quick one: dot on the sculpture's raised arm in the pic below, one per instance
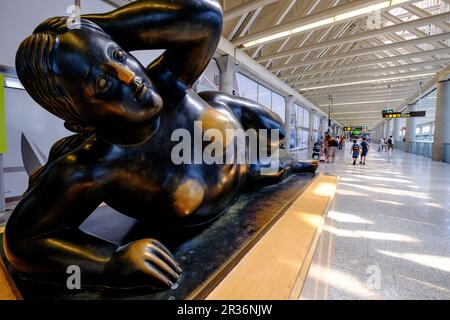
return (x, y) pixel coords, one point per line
(189, 29)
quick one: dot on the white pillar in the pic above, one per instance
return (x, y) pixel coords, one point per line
(388, 129)
(411, 124)
(290, 100)
(383, 130)
(311, 129)
(228, 68)
(442, 117)
(396, 129)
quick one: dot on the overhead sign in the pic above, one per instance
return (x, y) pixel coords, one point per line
(415, 114)
(349, 129)
(393, 115)
(2, 116)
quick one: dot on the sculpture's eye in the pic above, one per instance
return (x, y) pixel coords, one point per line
(101, 84)
(119, 55)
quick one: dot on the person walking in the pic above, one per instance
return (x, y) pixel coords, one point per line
(390, 144)
(355, 151)
(381, 143)
(365, 146)
(342, 143)
(331, 150)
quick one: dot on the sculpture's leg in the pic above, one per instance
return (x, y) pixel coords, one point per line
(42, 237)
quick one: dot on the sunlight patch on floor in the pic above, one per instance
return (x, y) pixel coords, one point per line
(437, 262)
(373, 235)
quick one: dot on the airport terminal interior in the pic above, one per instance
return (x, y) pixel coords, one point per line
(358, 206)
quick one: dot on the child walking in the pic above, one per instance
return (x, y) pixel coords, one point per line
(355, 151)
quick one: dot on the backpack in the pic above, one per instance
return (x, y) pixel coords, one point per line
(355, 148)
(390, 141)
(364, 146)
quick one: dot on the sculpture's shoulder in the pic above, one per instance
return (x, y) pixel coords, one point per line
(68, 144)
(59, 149)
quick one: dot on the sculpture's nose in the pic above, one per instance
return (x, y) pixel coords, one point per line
(124, 74)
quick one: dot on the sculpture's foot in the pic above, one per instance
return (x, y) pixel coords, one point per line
(305, 167)
(142, 263)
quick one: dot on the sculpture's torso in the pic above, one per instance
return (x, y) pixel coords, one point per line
(142, 181)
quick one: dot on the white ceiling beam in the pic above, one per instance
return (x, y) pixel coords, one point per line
(237, 26)
(245, 8)
(442, 63)
(375, 49)
(358, 64)
(284, 11)
(408, 75)
(359, 37)
(422, 14)
(309, 9)
(325, 14)
(352, 97)
(361, 88)
(415, 31)
(251, 21)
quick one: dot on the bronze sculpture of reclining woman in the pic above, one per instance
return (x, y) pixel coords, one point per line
(123, 115)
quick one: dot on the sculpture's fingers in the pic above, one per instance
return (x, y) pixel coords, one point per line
(157, 275)
(162, 266)
(162, 247)
(168, 258)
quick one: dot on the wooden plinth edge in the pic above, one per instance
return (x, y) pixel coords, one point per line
(277, 266)
(8, 290)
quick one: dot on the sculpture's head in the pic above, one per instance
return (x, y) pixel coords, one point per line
(83, 77)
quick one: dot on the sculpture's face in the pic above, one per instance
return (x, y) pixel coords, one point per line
(109, 86)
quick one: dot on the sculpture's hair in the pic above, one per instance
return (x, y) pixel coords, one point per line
(36, 69)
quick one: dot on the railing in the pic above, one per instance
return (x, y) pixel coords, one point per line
(447, 152)
(421, 148)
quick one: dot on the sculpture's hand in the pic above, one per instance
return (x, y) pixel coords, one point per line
(143, 262)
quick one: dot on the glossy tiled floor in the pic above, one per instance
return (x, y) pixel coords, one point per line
(387, 235)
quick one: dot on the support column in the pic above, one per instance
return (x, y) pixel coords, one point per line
(411, 124)
(442, 117)
(290, 100)
(388, 129)
(396, 130)
(311, 129)
(383, 130)
(228, 68)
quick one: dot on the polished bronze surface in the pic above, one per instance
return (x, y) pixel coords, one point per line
(124, 116)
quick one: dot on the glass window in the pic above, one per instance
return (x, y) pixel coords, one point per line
(304, 139)
(299, 115)
(426, 129)
(305, 118)
(264, 96)
(418, 130)
(247, 88)
(316, 123)
(278, 105)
